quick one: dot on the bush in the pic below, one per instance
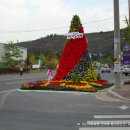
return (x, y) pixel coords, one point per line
(4, 64)
(12, 70)
(75, 78)
(98, 76)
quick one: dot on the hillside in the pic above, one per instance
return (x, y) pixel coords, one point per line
(98, 42)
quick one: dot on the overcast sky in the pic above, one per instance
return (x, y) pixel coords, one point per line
(24, 20)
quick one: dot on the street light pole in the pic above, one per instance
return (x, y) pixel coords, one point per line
(117, 56)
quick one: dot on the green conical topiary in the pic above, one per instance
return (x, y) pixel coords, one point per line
(91, 75)
(75, 24)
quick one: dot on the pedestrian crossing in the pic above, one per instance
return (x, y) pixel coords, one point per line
(106, 122)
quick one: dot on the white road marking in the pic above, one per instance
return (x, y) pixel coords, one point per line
(8, 91)
(123, 107)
(111, 116)
(105, 128)
(17, 82)
(19, 78)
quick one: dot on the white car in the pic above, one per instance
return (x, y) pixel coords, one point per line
(126, 70)
(105, 69)
(122, 69)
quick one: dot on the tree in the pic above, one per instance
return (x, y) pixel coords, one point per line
(42, 57)
(126, 33)
(52, 60)
(75, 24)
(32, 59)
(126, 36)
(13, 54)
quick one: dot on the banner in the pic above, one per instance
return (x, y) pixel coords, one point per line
(74, 35)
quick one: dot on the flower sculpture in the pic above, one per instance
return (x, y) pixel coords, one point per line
(75, 71)
(75, 57)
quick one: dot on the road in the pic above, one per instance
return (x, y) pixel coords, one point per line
(52, 110)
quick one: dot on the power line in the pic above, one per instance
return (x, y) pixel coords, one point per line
(59, 27)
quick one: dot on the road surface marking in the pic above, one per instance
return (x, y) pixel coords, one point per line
(105, 128)
(123, 107)
(20, 78)
(111, 116)
(17, 82)
(8, 91)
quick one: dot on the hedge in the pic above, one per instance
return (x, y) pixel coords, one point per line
(12, 70)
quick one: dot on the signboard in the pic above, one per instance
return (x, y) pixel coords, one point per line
(126, 47)
(37, 66)
(126, 59)
(74, 35)
(117, 65)
(126, 54)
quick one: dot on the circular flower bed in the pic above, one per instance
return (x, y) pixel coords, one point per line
(63, 85)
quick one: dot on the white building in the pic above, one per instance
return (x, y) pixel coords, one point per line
(2, 52)
(24, 50)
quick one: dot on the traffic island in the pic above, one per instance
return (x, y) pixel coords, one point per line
(83, 86)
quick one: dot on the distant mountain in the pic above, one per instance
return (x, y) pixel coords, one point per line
(98, 42)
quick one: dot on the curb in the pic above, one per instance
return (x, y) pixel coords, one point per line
(54, 91)
(112, 93)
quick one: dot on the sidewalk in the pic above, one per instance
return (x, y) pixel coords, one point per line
(114, 94)
(124, 91)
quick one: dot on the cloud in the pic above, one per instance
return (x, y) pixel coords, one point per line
(22, 16)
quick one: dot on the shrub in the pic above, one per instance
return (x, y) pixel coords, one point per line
(74, 78)
(38, 81)
(98, 76)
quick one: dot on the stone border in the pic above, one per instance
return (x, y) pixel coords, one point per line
(112, 93)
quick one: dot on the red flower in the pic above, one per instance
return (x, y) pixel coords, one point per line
(71, 55)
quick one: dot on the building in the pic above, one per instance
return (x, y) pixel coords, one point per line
(24, 50)
(2, 52)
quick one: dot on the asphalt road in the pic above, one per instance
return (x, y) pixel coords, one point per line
(20, 110)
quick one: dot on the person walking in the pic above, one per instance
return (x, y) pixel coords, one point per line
(21, 70)
(49, 74)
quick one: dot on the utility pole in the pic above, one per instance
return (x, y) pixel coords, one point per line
(100, 54)
(117, 56)
(129, 10)
(1, 33)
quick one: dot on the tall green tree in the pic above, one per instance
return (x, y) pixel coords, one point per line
(13, 55)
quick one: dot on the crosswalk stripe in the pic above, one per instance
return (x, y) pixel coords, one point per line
(111, 116)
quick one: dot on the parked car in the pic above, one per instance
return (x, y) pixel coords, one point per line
(105, 69)
(122, 69)
(126, 69)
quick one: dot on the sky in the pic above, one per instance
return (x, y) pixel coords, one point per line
(25, 20)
